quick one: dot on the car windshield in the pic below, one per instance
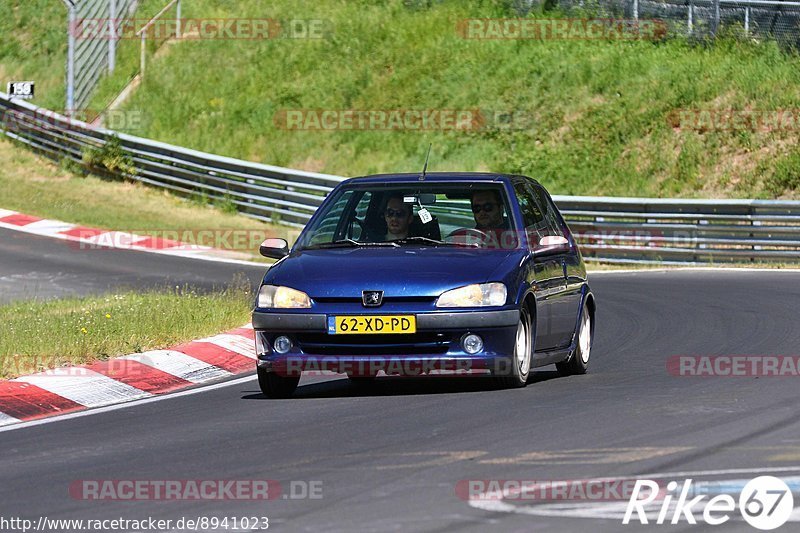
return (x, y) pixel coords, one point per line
(467, 215)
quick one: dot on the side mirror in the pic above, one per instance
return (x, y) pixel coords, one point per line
(552, 244)
(274, 248)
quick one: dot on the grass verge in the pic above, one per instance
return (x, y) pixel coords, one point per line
(585, 116)
(34, 48)
(35, 186)
(74, 331)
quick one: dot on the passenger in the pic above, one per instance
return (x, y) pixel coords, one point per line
(398, 217)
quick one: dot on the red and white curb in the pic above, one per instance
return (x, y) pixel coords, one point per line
(123, 379)
(93, 238)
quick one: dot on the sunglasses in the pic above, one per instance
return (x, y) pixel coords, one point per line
(391, 213)
(488, 207)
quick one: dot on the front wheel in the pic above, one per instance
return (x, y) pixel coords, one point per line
(523, 352)
(275, 386)
(579, 362)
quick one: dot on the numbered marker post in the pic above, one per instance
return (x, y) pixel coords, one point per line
(20, 89)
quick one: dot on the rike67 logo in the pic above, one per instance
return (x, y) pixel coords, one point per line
(765, 503)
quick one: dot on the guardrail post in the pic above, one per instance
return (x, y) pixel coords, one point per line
(753, 222)
(690, 16)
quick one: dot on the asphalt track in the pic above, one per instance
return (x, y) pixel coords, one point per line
(35, 267)
(390, 458)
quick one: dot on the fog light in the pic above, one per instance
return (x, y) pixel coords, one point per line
(472, 344)
(282, 344)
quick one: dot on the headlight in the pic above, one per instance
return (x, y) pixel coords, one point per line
(483, 295)
(272, 296)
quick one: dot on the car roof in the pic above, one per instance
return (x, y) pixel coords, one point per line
(413, 177)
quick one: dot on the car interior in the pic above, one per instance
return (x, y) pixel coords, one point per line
(375, 224)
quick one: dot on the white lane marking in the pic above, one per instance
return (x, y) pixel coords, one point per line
(234, 343)
(48, 227)
(84, 386)
(179, 364)
(604, 510)
(6, 213)
(4, 418)
(109, 408)
(615, 510)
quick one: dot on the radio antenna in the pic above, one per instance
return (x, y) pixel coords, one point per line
(425, 168)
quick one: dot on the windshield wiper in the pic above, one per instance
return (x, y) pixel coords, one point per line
(349, 243)
(434, 242)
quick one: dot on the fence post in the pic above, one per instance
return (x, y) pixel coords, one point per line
(716, 17)
(636, 10)
(178, 20)
(112, 35)
(689, 21)
(70, 104)
(142, 55)
(747, 19)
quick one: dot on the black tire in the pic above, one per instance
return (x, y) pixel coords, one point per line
(578, 363)
(517, 377)
(275, 386)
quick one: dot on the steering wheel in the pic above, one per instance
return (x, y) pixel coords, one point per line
(468, 235)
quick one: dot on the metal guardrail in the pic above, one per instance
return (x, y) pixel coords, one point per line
(611, 229)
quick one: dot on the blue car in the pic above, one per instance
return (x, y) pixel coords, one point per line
(411, 274)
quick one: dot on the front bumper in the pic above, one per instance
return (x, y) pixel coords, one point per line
(425, 321)
(436, 347)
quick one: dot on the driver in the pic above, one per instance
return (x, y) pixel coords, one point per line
(489, 213)
(487, 209)
(398, 217)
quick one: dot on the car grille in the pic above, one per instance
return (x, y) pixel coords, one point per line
(411, 344)
(386, 300)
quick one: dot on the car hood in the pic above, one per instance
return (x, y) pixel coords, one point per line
(399, 272)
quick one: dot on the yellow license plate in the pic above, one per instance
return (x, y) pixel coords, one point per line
(360, 325)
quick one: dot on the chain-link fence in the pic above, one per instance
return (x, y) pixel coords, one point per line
(89, 58)
(759, 19)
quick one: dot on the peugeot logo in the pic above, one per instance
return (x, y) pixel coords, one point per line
(372, 298)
